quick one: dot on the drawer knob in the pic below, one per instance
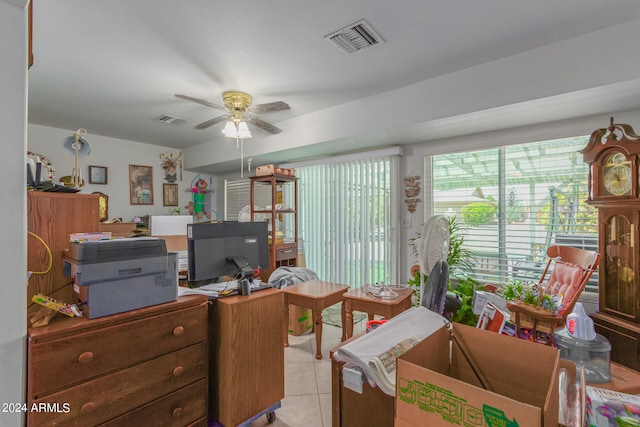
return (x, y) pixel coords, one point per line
(85, 357)
(87, 408)
(177, 413)
(177, 371)
(178, 330)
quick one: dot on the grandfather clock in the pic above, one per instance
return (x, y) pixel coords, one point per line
(613, 156)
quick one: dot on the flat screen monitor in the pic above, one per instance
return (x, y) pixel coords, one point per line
(227, 248)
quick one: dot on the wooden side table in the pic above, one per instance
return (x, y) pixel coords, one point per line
(359, 300)
(316, 295)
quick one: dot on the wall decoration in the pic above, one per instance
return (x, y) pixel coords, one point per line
(170, 194)
(141, 185)
(97, 175)
(172, 165)
(412, 190)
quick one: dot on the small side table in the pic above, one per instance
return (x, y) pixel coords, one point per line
(359, 300)
(316, 295)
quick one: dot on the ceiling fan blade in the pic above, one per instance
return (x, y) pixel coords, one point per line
(269, 107)
(211, 122)
(202, 101)
(264, 125)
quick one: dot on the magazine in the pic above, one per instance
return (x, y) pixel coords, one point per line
(394, 335)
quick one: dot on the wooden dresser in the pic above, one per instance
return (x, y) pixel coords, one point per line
(53, 217)
(143, 367)
(246, 356)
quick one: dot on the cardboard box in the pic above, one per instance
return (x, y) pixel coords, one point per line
(300, 320)
(523, 376)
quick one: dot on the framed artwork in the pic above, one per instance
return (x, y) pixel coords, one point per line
(97, 175)
(170, 194)
(141, 185)
(104, 206)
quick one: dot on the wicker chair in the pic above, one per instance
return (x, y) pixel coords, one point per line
(572, 268)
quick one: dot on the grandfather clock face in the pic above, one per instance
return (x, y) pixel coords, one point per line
(616, 175)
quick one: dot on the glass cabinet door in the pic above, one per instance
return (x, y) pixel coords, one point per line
(618, 296)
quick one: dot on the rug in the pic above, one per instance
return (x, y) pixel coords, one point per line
(333, 316)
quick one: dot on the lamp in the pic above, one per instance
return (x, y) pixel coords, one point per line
(79, 147)
(243, 130)
(236, 128)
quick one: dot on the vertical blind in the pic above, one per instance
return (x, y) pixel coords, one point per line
(345, 220)
(515, 201)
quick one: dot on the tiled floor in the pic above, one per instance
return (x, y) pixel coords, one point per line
(307, 381)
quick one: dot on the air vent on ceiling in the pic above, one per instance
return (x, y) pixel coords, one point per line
(170, 120)
(355, 37)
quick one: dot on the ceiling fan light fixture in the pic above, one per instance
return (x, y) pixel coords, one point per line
(230, 130)
(243, 130)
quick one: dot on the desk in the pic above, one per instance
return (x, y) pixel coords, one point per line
(359, 300)
(316, 295)
(246, 357)
(623, 379)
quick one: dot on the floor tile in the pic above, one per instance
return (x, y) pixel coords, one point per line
(300, 378)
(296, 411)
(323, 376)
(325, 409)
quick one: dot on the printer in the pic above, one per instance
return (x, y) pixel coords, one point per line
(114, 276)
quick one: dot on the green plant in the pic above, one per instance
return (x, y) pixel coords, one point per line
(465, 289)
(529, 293)
(478, 213)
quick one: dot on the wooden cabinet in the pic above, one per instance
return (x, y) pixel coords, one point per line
(246, 355)
(613, 156)
(143, 367)
(282, 215)
(53, 217)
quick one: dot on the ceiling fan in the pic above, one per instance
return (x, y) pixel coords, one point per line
(238, 107)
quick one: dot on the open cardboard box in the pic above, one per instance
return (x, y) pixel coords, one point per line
(522, 375)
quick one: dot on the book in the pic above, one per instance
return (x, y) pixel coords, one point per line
(491, 318)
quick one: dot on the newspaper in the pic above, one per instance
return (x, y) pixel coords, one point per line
(393, 337)
(384, 365)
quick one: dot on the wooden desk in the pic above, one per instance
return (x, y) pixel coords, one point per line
(359, 300)
(246, 357)
(623, 379)
(316, 295)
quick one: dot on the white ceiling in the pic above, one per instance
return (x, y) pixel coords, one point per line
(114, 66)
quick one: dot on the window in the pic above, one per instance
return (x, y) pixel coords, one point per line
(515, 201)
(345, 217)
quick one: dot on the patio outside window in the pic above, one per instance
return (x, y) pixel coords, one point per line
(514, 201)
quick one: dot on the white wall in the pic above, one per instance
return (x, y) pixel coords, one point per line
(13, 261)
(116, 155)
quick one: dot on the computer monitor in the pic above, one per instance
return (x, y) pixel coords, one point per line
(227, 248)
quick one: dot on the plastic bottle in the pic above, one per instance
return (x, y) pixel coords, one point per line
(579, 325)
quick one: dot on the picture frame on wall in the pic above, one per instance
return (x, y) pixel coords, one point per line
(97, 175)
(170, 194)
(141, 185)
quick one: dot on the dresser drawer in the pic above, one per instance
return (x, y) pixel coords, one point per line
(103, 398)
(56, 365)
(184, 407)
(287, 253)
